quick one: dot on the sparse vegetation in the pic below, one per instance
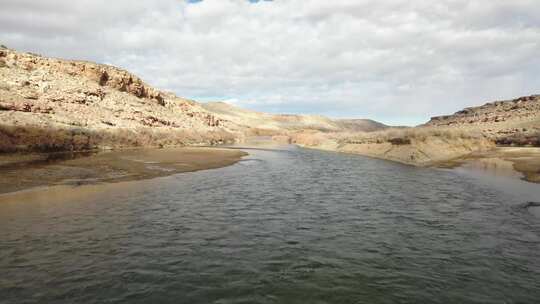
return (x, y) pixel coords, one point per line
(405, 136)
(29, 138)
(417, 146)
(520, 140)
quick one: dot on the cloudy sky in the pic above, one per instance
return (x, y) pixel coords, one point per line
(397, 61)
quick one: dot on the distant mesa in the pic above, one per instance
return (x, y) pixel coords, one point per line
(282, 123)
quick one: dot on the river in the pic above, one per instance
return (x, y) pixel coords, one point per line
(287, 225)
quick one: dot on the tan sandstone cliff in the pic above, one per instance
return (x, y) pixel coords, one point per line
(511, 122)
(49, 104)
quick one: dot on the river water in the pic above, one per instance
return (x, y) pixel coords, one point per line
(281, 226)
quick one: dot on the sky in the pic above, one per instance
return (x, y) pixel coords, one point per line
(396, 61)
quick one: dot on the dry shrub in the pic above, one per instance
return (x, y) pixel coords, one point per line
(407, 135)
(30, 138)
(519, 140)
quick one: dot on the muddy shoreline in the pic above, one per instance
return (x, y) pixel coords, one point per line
(516, 162)
(20, 172)
(522, 162)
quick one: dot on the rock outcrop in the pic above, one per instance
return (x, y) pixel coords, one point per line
(521, 108)
(513, 122)
(54, 104)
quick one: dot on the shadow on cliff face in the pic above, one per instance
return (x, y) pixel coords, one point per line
(519, 140)
(34, 139)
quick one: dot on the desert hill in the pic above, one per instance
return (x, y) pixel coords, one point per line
(360, 125)
(508, 122)
(50, 104)
(476, 129)
(522, 109)
(258, 123)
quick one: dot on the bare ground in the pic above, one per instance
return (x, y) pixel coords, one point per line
(20, 172)
(511, 161)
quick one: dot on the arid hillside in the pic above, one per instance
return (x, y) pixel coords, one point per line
(360, 125)
(504, 123)
(257, 123)
(510, 122)
(49, 104)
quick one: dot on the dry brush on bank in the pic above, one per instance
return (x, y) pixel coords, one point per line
(404, 136)
(39, 139)
(513, 122)
(417, 146)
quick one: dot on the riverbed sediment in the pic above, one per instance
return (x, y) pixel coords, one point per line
(22, 172)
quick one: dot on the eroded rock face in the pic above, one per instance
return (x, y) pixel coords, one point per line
(43, 100)
(513, 122)
(494, 112)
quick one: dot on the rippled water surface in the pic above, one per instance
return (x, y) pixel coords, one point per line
(289, 226)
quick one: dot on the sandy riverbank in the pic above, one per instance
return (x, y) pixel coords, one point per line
(420, 147)
(509, 161)
(441, 149)
(21, 172)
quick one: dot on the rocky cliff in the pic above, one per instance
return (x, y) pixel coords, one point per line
(521, 108)
(52, 104)
(510, 122)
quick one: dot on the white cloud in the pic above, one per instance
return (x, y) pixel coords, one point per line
(399, 61)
